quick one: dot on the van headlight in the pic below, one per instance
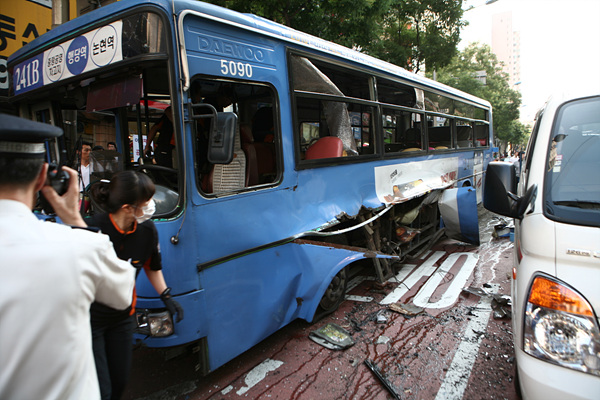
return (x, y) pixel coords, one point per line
(560, 327)
(156, 324)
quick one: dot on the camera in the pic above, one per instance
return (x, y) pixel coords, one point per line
(58, 178)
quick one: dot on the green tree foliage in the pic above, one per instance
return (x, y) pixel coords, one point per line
(352, 23)
(419, 32)
(408, 33)
(462, 73)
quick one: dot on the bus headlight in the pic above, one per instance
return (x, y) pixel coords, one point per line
(156, 324)
(560, 327)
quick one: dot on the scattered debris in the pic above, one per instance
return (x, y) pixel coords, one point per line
(406, 309)
(388, 385)
(355, 324)
(477, 291)
(501, 303)
(381, 319)
(362, 299)
(382, 340)
(503, 230)
(332, 336)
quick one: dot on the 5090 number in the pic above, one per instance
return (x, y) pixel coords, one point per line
(243, 70)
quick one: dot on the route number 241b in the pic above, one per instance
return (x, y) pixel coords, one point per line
(233, 68)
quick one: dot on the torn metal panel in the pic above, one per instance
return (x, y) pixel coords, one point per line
(365, 253)
(401, 182)
(459, 212)
(297, 274)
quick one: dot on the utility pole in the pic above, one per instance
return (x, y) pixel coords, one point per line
(60, 12)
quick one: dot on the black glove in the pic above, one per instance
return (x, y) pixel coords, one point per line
(172, 305)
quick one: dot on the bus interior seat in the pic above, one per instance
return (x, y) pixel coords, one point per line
(325, 147)
(232, 176)
(263, 125)
(260, 158)
(393, 147)
(464, 135)
(250, 152)
(412, 137)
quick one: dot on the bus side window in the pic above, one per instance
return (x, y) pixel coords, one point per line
(403, 131)
(482, 134)
(440, 132)
(325, 94)
(464, 134)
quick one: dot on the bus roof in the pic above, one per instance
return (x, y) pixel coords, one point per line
(244, 21)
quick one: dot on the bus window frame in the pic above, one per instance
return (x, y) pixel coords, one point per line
(277, 140)
(304, 164)
(378, 135)
(401, 153)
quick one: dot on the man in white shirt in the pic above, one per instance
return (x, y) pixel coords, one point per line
(49, 276)
(84, 166)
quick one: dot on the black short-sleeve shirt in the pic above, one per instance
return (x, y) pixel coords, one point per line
(166, 133)
(139, 246)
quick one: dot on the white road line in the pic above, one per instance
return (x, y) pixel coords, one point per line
(426, 269)
(453, 290)
(458, 374)
(259, 373)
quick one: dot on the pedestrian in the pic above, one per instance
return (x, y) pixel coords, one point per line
(49, 276)
(83, 165)
(165, 143)
(127, 200)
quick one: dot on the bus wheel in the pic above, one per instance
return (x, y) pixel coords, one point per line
(334, 295)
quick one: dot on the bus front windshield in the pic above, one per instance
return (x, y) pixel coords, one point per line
(109, 89)
(115, 115)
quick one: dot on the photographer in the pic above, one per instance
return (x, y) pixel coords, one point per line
(49, 276)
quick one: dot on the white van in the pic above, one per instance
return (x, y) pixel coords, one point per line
(556, 274)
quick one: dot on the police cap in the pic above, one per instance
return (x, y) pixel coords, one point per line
(24, 138)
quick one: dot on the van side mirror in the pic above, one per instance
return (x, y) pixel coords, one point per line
(221, 136)
(499, 191)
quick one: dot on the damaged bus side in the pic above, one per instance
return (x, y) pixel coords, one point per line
(292, 159)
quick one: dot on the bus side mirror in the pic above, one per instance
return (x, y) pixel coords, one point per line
(499, 188)
(222, 138)
(221, 135)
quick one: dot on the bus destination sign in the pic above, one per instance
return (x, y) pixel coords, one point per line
(94, 49)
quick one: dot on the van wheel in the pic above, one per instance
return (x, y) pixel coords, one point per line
(334, 295)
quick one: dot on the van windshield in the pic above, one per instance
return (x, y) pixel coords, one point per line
(572, 186)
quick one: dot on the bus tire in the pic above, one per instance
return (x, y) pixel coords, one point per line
(333, 296)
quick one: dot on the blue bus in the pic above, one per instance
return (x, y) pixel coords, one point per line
(292, 159)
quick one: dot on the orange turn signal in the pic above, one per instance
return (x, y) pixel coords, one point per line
(547, 293)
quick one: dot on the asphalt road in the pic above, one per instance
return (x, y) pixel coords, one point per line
(456, 347)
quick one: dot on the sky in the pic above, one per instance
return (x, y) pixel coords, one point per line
(560, 44)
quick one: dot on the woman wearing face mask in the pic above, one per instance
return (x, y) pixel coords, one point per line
(127, 200)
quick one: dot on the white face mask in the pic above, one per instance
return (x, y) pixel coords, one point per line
(148, 211)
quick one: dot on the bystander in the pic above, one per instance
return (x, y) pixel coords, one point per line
(49, 276)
